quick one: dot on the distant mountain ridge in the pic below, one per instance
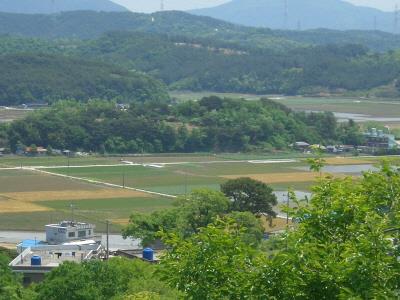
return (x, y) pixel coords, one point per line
(302, 14)
(91, 24)
(55, 6)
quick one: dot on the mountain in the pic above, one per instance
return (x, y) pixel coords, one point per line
(29, 78)
(55, 6)
(90, 24)
(301, 14)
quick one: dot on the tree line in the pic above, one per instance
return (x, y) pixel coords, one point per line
(211, 124)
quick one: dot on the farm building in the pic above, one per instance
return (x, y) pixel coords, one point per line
(67, 231)
(376, 139)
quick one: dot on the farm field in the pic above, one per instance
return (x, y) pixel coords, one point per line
(29, 199)
(376, 108)
(9, 114)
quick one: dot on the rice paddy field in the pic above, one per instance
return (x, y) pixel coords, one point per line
(378, 110)
(95, 189)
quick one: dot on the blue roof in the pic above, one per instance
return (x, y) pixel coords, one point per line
(30, 243)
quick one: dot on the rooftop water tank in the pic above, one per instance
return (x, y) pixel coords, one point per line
(36, 260)
(148, 254)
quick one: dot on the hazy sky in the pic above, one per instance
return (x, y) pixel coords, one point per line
(154, 5)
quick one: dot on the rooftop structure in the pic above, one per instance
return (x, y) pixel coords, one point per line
(33, 263)
(377, 139)
(68, 231)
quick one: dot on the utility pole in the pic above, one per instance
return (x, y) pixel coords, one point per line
(123, 180)
(287, 203)
(72, 211)
(298, 25)
(108, 240)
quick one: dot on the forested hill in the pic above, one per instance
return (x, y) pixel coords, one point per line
(29, 78)
(211, 124)
(87, 25)
(198, 64)
(304, 14)
(55, 6)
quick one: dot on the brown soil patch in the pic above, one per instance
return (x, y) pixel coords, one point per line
(347, 161)
(120, 221)
(277, 224)
(73, 195)
(16, 206)
(279, 177)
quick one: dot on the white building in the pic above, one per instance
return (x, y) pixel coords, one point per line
(67, 231)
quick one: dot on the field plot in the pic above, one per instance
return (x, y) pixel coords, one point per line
(177, 179)
(376, 108)
(9, 114)
(29, 200)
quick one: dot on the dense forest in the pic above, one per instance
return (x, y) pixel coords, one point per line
(185, 52)
(211, 124)
(28, 78)
(196, 64)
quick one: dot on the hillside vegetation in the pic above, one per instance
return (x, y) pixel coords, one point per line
(29, 78)
(90, 24)
(212, 124)
(198, 64)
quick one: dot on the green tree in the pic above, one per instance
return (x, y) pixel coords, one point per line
(91, 280)
(197, 210)
(251, 195)
(213, 264)
(10, 284)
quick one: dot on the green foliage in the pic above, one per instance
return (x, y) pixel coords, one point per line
(197, 210)
(10, 284)
(318, 162)
(99, 280)
(342, 247)
(195, 53)
(252, 229)
(213, 264)
(30, 78)
(236, 125)
(250, 195)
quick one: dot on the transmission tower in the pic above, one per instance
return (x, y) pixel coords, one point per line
(396, 18)
(375, 24)
(162, 7)
(286, 15)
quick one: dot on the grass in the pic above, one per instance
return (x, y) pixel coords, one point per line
(374, 107)
(32, 192)
(9, 115)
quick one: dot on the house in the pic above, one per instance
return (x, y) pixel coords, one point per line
(35, 151)
(302, 146)
(34, 262)
(67, 231)
(2, 151)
